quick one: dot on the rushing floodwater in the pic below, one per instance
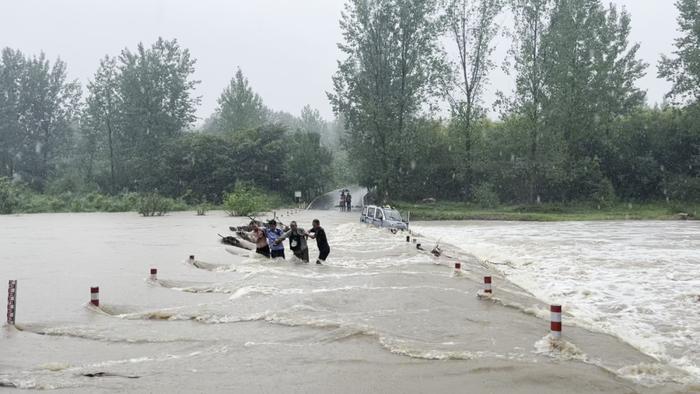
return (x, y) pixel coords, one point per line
(380, 316)
(639, 281)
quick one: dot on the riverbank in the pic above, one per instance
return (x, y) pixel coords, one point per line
(552, 212)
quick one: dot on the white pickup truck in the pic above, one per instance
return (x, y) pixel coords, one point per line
(383, 217)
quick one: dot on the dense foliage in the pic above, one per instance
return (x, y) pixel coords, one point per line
(134, 134)
(575, 127)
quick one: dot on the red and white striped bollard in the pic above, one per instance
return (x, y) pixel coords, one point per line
(11, 302)
(458, 268)
(555, 325)
(154, 274)
(95, 296)
(487, 285)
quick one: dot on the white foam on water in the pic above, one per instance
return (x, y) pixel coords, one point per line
(636, 280)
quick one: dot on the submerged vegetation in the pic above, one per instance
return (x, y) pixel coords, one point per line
(576, 130)
(247, 200)
(16, 198)
(153, 204)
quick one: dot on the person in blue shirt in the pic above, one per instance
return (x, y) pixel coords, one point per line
(273, 233)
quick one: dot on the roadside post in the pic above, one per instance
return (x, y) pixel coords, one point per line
(11, 302)
(95, 296)
(555, 323)
(297, 198)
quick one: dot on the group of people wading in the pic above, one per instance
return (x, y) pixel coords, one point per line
(268, 240)
(345, 201)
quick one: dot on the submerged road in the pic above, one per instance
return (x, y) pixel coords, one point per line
(331, 199)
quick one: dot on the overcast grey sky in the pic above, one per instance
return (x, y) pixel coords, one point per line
(287, 48)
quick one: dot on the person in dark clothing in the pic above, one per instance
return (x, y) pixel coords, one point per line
(318, 233)
(297, 241)
(348, 202)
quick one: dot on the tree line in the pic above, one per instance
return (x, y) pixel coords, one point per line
(133, 130)
(575, 127)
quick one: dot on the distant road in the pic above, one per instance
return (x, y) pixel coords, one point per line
(331, 199)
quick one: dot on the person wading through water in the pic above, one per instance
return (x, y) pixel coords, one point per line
(348, 202)
(319, 234)
(260, 237)
(273, 234)
(297, 241)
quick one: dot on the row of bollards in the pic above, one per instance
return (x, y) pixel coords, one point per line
(414, 240)
(555, 310)
(288, 212)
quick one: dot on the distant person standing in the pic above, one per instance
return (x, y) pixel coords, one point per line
(317, 232)
(348, 202)
(297, 242)
(342, 201)
(273, 233)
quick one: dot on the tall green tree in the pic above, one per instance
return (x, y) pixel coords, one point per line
(38, 112)
(157, 105)
(472, 27)
(240, 107)
(12, 69)
(683, 69)
(383, 83)
(531, 23)
(103, 114)
(590, 73)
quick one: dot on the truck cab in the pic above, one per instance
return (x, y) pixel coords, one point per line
(383, 217)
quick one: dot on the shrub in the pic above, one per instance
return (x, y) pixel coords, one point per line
(153, 204)
(485, 196)
(202, 208)
(9, 196)
(245, 200)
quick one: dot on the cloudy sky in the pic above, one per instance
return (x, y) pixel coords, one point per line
(287, 48)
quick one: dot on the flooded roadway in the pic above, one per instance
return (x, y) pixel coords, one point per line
(381, 316)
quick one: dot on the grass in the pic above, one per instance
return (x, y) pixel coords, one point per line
(551, 212)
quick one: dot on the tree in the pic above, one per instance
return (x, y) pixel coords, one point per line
(102, 113)
(683, 70)
(531, 21)
(38, 108)
(157, 105)
(590, 73)
(472, 27)
(12, 68)
(261, 156)
(308, 167)
(200, 167)
(590, 76)
(240, 107)
(385, 80)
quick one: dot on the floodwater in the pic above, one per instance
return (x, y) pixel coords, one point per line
(380, 316)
